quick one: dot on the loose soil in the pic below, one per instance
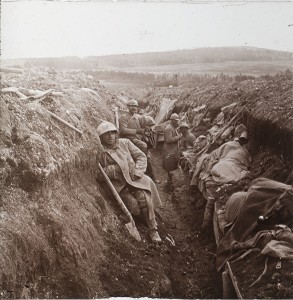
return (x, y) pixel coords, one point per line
(62, 236)
(182, 269)
(274, 284)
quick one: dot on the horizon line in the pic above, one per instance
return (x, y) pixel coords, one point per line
(152, 52)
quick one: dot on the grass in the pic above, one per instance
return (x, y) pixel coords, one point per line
(229, 68)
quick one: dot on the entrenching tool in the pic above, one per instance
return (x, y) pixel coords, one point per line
(131, 225)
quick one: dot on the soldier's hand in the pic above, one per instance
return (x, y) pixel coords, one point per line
(140, 131)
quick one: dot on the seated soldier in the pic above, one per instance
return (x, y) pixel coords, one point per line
(125, 165)
(227, 164)
(131, 127)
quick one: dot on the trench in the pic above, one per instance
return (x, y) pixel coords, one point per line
(87, 253)
(193, 269)
(189, 263)
(182, 267)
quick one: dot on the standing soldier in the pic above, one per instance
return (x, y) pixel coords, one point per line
(171, 148)
(188, 138)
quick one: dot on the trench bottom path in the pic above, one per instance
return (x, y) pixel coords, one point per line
(179, 217)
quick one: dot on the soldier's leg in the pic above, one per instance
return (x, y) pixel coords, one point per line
(211, 196)
(151, 223)
(139, 195)
(130, 201)
(208, 213)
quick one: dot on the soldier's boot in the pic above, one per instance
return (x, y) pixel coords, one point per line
(154, 236)
(152, 225)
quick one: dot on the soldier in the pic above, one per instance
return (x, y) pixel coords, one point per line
(131, 128)
(187, 139)
(171, 148)
(125, 164)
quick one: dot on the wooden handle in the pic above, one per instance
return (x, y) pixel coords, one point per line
(64, 122)
(115, 194)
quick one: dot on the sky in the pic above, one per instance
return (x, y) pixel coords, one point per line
(89, 28)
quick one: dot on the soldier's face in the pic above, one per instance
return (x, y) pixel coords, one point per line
(184, 130)
(174, 122)
(132, 109)
(109, 138)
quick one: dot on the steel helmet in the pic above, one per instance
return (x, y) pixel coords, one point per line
(149, 121)
(239, 130)
(174, 117)
(106, 127)
(132, 102)
(184, 125)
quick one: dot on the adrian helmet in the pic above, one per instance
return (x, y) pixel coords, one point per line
(174, 117)
(184, 125)
(106, 126)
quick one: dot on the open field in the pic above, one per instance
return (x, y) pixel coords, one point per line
(230, 68)
(115, 85)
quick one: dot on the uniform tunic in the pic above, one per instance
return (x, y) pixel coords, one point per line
(131, 160)
(170, 140)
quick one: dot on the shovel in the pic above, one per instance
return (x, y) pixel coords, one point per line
(131, 225)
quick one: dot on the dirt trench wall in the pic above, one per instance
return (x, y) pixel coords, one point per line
(269, 109)
(54, 217)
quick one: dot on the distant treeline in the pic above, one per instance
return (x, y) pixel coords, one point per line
(201, 55)
(160, 80)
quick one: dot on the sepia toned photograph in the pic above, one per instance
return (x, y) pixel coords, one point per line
(146, 149)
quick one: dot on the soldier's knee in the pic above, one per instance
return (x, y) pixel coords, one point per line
(131, 203)
(141, 198)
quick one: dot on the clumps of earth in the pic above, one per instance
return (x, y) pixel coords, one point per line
(62, 235)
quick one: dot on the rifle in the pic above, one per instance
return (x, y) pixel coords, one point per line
(204, 114)
(229, 123)
(219, 134)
